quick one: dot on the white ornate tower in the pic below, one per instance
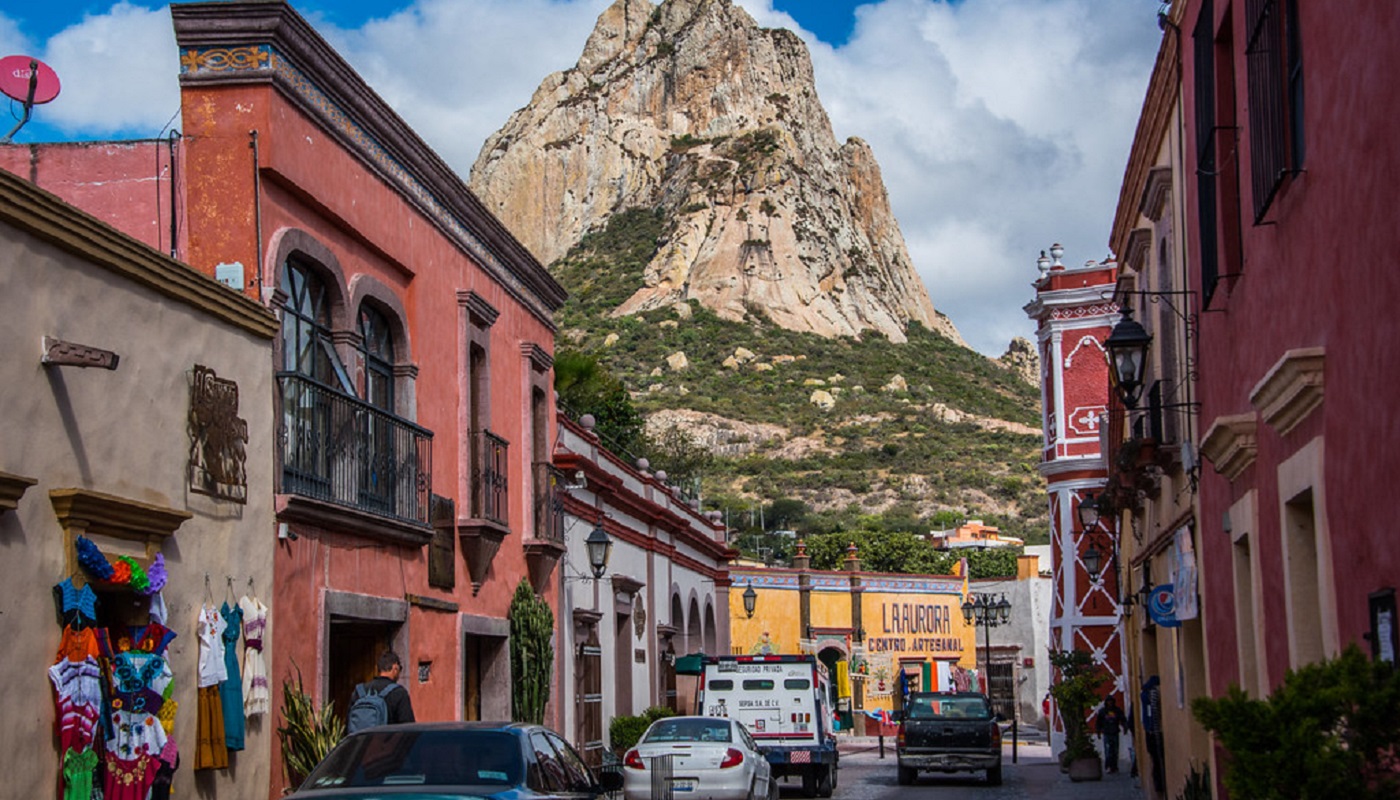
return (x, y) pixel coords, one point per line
(1074, 313)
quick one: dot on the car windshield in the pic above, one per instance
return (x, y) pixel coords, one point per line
(688, 730)
(417, 757)
(947, 708)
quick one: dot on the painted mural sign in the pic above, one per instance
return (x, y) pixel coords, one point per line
(915, 628)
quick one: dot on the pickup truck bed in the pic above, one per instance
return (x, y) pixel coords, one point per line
(948, 732)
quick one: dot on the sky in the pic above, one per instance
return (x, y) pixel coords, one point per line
(1001, 126)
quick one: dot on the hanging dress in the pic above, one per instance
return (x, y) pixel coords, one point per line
(78, 768)
(211, 751)
(77, 681)
(256, 699)
(139, 679)
(231, 689)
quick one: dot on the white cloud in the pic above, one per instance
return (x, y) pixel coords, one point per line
(1000, 125)
(119, 72)
(13, 41)
(456, 70)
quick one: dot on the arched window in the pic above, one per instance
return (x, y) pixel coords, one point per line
(306, 328)
(377, 349)
(380, 453)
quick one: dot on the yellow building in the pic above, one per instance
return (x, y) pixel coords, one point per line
(868, 628)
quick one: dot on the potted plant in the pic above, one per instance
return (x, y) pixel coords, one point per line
(309, 732)
(1076, 692)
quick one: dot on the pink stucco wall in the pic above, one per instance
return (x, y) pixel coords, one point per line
(1317, 273)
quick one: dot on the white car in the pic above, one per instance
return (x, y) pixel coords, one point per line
(705, 758)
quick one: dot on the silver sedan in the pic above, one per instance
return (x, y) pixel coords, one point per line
(705, 758)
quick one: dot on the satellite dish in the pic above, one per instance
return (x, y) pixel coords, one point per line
(17, 73)
(28, 80)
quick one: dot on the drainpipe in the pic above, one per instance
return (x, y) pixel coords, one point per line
(257, 210)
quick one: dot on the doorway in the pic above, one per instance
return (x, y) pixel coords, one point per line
(353, 655)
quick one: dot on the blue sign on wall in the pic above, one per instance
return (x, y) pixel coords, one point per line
(1161, 606)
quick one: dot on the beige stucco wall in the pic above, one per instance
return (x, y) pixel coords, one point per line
(120, 433)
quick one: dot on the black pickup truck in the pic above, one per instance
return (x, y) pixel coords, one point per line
(948, 732)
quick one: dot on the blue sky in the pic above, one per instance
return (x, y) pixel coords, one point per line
(828, 20)
(1000, 126)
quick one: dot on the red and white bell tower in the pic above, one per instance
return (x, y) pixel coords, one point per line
(1074, 313)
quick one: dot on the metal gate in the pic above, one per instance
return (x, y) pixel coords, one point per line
(590, 700)
(1001, 688)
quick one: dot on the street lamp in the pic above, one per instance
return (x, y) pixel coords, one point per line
(989, 614)
(599, 546)
(750, 600)
(1128, 346)
(1089, 513)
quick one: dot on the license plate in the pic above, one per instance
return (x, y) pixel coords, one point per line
(682, 785)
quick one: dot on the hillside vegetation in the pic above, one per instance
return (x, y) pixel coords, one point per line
(915, 436)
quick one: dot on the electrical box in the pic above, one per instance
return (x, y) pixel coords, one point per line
(230, 275)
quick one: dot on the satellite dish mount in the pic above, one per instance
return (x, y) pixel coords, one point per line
(28, 80)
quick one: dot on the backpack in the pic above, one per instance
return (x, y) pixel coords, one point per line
(369, 708)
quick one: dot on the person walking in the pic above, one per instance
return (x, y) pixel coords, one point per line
(1109, 723)
(381, 701)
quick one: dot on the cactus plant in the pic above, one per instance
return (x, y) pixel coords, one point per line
(531, 654)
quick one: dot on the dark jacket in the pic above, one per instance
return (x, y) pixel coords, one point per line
(400, 707)
(1110, 721)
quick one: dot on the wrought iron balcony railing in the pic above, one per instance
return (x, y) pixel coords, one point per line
(342, 450)
(549, 502)
(490, 486)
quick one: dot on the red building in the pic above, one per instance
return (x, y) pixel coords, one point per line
(1074, 313)
(1255, 185)
(413, 366)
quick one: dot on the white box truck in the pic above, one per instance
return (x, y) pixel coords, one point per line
(782, 700)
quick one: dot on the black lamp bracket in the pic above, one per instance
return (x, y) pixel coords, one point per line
(1182, 304)
(1187, 314)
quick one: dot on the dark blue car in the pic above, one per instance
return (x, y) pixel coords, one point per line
(431, 760)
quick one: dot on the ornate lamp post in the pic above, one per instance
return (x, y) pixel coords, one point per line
(750, 600)
(988, 613)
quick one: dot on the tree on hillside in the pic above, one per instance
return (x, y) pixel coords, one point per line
(879, 552)
(585, 387)
(785, 513)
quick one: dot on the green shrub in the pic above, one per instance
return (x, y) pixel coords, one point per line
(1076, 691)
(1332, 729)
(625, 730)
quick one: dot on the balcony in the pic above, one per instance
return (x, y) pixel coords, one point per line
(488, 520)
(490, 487)
(546, 547)
(351, 466)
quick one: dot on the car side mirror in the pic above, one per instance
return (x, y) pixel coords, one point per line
(897, 716)
(609, 782)
(999, 717)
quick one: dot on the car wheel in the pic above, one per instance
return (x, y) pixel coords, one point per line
(772, 788)
(826, 784)
(994, 775)
(809, 783)
(906, 775)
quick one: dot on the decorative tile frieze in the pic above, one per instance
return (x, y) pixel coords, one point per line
(1291, 390)
(225, 59)
(1231, 444)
